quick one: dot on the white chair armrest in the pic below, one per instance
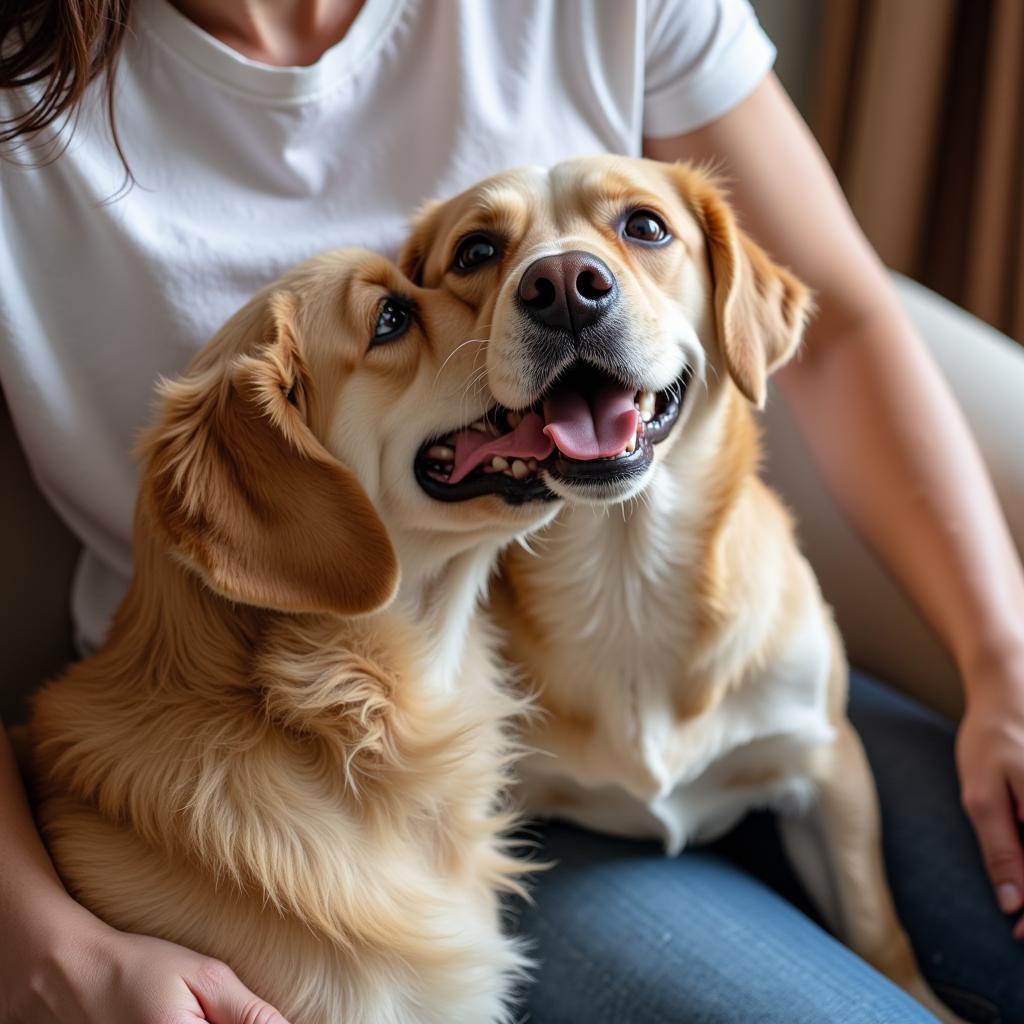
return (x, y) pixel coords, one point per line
(883, 631)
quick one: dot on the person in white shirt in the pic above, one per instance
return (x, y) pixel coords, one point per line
(199, 148)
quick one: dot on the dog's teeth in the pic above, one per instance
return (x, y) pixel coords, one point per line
(480, 425)
(531, 465)
(519, 469)
(646, 405)
(499, 463)
(441, 453)
(631, 447)
(514, 419)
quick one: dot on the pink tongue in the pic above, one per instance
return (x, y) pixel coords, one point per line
(473, 447)
(597, 429)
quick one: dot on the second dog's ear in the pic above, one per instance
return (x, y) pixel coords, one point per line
(249, 498)
(761, 309)
(412, 260)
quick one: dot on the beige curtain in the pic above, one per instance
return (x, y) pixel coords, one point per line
(920, 108)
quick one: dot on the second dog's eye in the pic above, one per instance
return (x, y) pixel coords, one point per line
(644, 226)
(392, 321)
(473, 252)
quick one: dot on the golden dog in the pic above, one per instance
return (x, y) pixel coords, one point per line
(688, 666)
(285, 756)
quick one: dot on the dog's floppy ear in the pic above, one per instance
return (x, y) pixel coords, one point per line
(249, 498)
(412, 260)
(761, 309)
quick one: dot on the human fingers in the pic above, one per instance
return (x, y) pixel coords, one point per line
(990, 807)
(225, 1000)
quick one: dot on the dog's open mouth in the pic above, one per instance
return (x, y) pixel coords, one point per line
(587, 428)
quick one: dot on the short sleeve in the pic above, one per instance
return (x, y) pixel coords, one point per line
(702, 58)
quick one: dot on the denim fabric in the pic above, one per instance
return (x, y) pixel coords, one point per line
(724, 935)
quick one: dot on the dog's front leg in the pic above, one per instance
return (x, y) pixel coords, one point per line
(836, 849)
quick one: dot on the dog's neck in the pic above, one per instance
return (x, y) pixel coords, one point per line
(697, 479)
(443, 581)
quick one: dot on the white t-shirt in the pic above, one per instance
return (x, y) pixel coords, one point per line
(243, 170)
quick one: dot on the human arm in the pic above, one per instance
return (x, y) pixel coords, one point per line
(892, 446)
(62, 965)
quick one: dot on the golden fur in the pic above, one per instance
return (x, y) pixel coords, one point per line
(678, 643)
(285, 755)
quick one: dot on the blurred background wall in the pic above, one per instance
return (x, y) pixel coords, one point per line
(795, 27)
(919, 106)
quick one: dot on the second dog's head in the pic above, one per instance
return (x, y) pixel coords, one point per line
(609, 287)
(287, 464)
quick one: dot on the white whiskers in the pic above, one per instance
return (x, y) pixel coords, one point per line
(454, 352)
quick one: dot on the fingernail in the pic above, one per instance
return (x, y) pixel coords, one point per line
(1009, 897)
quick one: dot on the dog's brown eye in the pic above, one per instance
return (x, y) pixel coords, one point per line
(392, 321)
(645, 226)
(473, 252)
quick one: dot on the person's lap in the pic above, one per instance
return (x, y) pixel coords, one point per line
(624, 934)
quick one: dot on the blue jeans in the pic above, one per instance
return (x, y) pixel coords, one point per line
(724, 935)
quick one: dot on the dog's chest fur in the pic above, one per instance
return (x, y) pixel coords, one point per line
(681, 653)
(326, 822)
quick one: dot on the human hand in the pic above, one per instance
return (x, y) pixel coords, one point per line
(87, 973)
(990, 759)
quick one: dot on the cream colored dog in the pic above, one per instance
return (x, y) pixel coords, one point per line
(285, 756)
(688, 666)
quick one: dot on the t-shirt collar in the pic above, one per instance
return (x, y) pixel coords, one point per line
(186, 40)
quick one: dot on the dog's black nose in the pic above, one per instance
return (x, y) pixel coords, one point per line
(568, 291)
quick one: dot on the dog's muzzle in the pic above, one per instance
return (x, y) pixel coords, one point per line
(571, 312)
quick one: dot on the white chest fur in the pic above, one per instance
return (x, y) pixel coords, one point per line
(658, 731)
